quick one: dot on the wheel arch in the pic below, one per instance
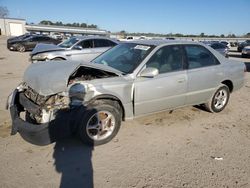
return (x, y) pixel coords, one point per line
(58, 57)
(229, 84)
(112, 98)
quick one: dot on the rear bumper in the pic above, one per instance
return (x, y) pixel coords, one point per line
(62, 126)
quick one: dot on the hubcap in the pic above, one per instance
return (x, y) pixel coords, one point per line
(220, 99)
(21, 48)
(101, 125)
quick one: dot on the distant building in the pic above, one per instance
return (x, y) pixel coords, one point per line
(50, 29)
(15, 27)
(12, 26)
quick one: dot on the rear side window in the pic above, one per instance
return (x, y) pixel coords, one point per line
(199, 56)
(40, 38)
(103, 43)
(86, 44)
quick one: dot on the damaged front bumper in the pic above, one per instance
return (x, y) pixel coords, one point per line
(62, 126)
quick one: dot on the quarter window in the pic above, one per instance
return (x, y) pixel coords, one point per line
(167, 59)
(198, 56)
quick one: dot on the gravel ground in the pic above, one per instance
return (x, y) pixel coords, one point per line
(186, 148)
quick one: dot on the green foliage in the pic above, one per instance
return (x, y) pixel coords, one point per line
(3, 12)
(84, 25)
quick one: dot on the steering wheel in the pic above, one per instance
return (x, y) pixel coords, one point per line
(122, 59)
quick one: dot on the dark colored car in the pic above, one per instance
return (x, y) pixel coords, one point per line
(243, 45)
(17, 38)
(28, 42)
(219, 47)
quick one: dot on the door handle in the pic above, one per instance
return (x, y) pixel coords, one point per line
(181, 80)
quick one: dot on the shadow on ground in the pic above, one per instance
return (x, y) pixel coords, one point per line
(73, 160)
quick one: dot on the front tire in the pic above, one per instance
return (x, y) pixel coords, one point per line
(100, 123)
(20, 48)
(219, 100)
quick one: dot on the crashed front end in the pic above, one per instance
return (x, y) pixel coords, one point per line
(45, 108)
(42, 120)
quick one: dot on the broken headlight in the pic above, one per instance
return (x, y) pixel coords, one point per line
(39, 57)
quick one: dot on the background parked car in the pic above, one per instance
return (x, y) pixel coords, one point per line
(242, 45)
(218, 46)
(17, 38)
(76, 48)
(245, 52)
(28, 42)
(226, 43)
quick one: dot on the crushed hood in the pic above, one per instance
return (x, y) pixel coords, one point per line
(48, 78)
(40, 48)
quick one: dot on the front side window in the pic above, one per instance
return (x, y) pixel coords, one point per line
(167, 59)
(124, 57)
(199, 56)
(68, 43)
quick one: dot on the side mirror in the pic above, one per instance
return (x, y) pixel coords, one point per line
(77, 47)
(149, 72)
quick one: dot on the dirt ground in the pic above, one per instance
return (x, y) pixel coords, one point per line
(187, 148)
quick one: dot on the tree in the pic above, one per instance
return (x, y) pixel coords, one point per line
(247, 35)
(92, 26)
(231, 36)
(3, 12)
(46, 22)
(83, 25)
(202, 35)
(222, 36)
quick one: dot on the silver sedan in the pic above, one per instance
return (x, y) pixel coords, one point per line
(81, 48)
(130, 80)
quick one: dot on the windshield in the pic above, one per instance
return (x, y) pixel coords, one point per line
(124, 57)
(68, 43)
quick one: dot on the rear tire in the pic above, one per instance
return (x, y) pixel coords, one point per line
(219, 100)
(100, 123)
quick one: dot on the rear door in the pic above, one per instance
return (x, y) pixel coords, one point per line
(204, 74)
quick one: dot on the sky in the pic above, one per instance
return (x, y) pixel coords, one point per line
(157, 16)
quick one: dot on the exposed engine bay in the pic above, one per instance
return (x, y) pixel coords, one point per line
(88, 73)
(49, 105)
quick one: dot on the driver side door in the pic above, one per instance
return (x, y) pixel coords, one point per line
(84, 54)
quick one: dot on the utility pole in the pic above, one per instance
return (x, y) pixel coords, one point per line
(4, 26)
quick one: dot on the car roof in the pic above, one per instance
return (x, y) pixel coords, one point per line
(161, 42)
(94, 37)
